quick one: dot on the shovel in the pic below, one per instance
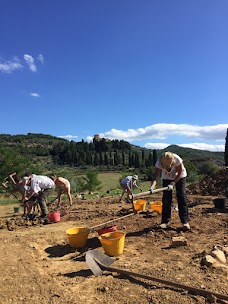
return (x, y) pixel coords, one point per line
(98, 261)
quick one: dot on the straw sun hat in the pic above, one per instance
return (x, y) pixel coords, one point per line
(167, 159)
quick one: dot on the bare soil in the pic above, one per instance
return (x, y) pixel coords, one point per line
(38, 265)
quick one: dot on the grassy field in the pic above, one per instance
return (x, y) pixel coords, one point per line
(110, 185)
(111, 182)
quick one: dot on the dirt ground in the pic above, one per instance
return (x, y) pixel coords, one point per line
(38, 265)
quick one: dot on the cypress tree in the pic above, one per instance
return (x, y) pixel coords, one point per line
(226, 149)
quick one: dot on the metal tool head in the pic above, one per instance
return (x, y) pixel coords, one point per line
(96, 258)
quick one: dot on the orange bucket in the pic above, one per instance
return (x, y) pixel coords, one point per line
(156, 207)
(140, 205)
(54, 217)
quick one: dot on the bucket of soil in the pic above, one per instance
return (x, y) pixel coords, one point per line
(77, 236)
(107, 229)
(220, 203)
(113, 242)
(54, 217)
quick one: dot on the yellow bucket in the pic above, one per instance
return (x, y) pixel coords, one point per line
(77, 236)
(140, 205)
(156, 206)
(113, 242)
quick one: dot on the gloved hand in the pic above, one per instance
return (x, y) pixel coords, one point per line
(171, 186)
(140, 189)
(151, 190)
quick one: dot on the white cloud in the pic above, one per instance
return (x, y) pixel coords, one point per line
(34, 94)
(30, 62)
(68, 136)
(40, 57)
(10, 66)
(198, 146)
(162, 131)
(156, 145)
(203, 146)
(89, 139)
(13, 65)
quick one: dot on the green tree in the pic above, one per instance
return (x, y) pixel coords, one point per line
(91, 182)
(150, 174)
(12, 162)
(208, 168)
(192, 171)
(226, 149)
(155, 157)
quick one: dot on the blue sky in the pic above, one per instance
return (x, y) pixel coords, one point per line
(151, 72)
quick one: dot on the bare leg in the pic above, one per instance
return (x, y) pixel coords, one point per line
(26, 207)
(122, 195)
(59, 197)
(69, 196)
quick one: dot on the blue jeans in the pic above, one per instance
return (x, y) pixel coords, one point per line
(181, 200)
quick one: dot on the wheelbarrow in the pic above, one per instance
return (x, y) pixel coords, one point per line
(98, 262)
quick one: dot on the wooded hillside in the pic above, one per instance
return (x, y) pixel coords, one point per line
(43, 153)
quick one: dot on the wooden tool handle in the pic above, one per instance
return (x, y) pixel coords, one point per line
(166, 282)
(148, 193)
(116, 219)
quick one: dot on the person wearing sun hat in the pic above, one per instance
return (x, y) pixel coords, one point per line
(127, 184)
(171, 169)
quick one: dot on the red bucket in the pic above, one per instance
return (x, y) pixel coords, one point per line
(54, 217)
(107, 229)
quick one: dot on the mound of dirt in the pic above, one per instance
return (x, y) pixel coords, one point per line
(214, 185)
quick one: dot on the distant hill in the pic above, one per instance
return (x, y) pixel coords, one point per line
(196, 155)
(43, 152)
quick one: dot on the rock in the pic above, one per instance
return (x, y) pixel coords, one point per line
(178, 241)
(225, 250)
(219, 255)
(208, 260)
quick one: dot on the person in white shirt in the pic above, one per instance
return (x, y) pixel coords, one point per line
(40, 187)
(171, 169)
(127, 184)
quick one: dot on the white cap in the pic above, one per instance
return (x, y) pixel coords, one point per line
(135, 177)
